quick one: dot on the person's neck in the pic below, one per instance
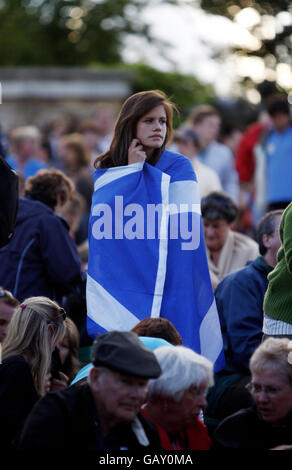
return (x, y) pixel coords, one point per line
(270, 259)
(158, 415)
(204, 144)
(215, 255)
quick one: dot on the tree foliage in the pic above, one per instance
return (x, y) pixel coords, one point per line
(184, 90)
(273, 29)
(67, 32)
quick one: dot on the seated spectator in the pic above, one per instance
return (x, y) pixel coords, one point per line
(176, 398)
(158, 328)
(76, 163)
(8, 303)
(148, 330)
(104, 414)
(25, 143)
(148, 341)
(41, 258)
(226, 250)
(90, 133)
(73, 211)
(35, 328)
(68, 349)
(188, 144)
(239, 298)
(278, 297)
(268, 423)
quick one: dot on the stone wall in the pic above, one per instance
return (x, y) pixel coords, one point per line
(37, 95)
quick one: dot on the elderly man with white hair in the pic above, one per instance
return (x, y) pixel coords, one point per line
(176, 398)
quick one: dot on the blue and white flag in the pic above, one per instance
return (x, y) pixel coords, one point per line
(147, 254)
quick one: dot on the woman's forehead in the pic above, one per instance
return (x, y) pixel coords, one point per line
(157, 111)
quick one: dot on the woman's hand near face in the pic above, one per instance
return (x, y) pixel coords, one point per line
(59, 384)
(136, 153)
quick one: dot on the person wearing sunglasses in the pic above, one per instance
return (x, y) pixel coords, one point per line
(8, 303)
(36, 327)
(267, 425)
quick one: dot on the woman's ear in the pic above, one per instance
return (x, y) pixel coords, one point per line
(94, 374)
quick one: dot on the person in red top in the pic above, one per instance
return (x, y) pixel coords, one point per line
(246, 164)
(176, 399)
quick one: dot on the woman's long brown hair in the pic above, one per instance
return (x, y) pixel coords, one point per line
(134, 108)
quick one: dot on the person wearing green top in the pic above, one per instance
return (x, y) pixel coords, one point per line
(278, 297)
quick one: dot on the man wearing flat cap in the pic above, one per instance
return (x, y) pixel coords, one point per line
(102, 415)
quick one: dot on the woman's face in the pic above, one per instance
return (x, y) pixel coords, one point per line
(189, 407)
(272, 395)
(151, 129)
(216, 232)
(63, 347)
(69, 156)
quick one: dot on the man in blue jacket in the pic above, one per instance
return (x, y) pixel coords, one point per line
(41, 258)
(239, 298)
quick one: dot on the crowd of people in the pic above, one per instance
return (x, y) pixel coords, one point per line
(141, 384)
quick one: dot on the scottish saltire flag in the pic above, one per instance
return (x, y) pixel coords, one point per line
(147, 254)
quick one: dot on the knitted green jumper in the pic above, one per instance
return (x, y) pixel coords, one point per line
(278, 298)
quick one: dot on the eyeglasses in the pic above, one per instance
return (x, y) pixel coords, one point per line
(269, 390)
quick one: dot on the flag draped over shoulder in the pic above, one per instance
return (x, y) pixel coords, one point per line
(147, 254)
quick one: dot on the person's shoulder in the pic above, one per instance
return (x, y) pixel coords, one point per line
(15, 366)
(34, 163)
(244, 241)
(233, 429)
(16, 359)
(73, 399)
(220, 148)
(176, 165)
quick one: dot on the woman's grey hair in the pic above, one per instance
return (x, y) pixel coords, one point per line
(273, 354)
(181, 368)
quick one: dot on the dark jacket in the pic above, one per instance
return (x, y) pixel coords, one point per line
(17, 397)
(246, 430)
(8, 201)
(239, 298)
(41, 258)
(67, 420)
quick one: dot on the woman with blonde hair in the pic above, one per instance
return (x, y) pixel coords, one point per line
(37, 326)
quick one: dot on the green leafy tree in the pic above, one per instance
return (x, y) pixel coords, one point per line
(184, 90)
(67, 32)
(270, 22)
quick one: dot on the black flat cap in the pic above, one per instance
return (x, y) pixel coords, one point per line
(122, 351)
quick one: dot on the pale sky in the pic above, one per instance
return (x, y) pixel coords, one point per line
(195, 37)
